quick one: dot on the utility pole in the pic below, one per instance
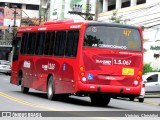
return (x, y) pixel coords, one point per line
(96, 11)
(40, 12)
(87, 9)
(14, 25)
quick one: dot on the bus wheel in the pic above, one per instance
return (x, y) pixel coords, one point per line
(23, 89)
(141, 100)
(100, 100)
(50, 89)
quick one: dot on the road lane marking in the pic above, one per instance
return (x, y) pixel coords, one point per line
(47, 108)
(152, 103)
(27, 103)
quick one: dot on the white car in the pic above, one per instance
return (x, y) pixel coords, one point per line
(142, 94)
(5, 67)
(152, 82)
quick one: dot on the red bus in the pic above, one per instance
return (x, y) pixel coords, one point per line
(97, 59)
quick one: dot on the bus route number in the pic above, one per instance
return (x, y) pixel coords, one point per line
(122, 62)
(127, 33)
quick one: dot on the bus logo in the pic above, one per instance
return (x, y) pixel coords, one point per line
(27, 64)
(104, 62)
(49, 66)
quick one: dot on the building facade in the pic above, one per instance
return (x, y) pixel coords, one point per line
(59, 9)
(9, 22)
(139, 13)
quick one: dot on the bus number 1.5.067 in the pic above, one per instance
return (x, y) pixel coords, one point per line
(122, 62)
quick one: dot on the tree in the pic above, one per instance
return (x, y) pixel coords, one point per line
(118, 19)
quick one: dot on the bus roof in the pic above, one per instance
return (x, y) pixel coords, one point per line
(70, 24)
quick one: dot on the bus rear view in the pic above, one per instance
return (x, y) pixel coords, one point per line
(112, 58)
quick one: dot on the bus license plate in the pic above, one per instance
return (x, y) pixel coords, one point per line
(127, 71)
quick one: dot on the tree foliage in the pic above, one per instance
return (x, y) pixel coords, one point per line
(147, 68)
(118, 19)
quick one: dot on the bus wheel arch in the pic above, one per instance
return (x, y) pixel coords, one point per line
(21, 82)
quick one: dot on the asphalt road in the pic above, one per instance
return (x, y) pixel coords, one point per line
(11, 99)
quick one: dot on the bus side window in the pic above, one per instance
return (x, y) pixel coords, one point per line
(32, 46)
(72, 44)
(60, 43)
(23, 43)
(46, 47)
(51, 43)
(29, 41)
(40, 43)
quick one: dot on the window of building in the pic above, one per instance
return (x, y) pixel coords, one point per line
(40, 43)
(111, 5)
(126, 4)
(12, 5)
(141, 2)
(60, 43)
(2, 4)
(72, 43)
(32, 7)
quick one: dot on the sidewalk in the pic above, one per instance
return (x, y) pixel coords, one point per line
(152, 98)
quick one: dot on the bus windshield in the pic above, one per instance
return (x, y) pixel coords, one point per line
(113, 38)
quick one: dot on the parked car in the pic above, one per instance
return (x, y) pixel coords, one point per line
(152, 82)
(5, 67)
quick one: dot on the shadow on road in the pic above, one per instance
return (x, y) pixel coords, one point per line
(82, 101)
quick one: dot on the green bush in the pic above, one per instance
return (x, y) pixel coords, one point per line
(147, 68)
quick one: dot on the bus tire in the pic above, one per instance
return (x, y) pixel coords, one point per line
(100, 100)
(141, 100)
(23, 89)
(131, 98)
(50, 88)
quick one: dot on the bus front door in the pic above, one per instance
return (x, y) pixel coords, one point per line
(14, 63)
